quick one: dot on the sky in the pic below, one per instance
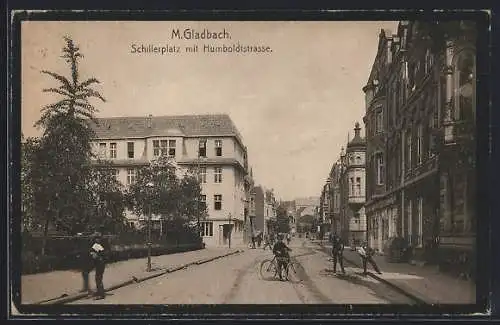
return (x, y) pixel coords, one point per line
(294, 106)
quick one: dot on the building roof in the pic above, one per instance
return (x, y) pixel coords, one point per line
(309, 210)
(307, 201)
(173, 125)
(357, 141)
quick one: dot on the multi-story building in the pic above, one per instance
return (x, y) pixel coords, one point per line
(325, 217)
(250, 209)
(344, 192)
(334, 196)
(210, 144)
(265, 209)
(291, 212)
(354, 186)
(420, 126)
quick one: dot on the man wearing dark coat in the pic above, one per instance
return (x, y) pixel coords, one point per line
(337, 252)
(98, 253)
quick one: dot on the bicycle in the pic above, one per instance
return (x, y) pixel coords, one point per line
(269, 268)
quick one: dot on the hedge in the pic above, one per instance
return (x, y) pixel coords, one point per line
(36, 263)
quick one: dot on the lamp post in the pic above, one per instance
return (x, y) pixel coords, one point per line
(230, 230)
(148, 266)
(198, 172)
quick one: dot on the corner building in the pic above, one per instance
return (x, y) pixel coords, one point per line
(420, 130)
(209, 144)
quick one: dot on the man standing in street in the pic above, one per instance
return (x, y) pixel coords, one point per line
(98, 253)
(337, 253)
(366, 254)
(85, 262)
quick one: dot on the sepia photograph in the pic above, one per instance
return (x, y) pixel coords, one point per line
(248, 162)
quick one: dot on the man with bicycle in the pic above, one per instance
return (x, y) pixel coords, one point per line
(280, 250)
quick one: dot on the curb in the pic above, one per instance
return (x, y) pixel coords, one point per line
(389, 283)
(65, 298)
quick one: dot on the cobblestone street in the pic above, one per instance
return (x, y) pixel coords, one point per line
(236, 280)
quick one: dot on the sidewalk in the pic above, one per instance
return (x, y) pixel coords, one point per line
(423, 282)
(44, 286)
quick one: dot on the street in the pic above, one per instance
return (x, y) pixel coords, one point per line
(236, 280)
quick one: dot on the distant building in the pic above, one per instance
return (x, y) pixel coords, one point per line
(344, 192)
(265, 209)
(210, 144)
(291, 213)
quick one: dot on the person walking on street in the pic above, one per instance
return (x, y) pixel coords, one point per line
(86, 263)
(98, 253)
(267, 242)
(337, 253)
(366, 254)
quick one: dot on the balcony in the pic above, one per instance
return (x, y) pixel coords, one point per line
(356, 198)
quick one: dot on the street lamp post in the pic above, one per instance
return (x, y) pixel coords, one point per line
(230, 230)
(148, 266)
(198, 212)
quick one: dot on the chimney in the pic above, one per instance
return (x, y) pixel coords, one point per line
(148, 121)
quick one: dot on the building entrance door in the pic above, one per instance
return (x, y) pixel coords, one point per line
(226, 232)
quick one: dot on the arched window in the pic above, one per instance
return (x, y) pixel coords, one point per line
(465, 86)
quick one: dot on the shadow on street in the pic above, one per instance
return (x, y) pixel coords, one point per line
(379, 289)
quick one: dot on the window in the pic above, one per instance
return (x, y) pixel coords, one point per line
(117, 173)
(352, 185)
(420, 221)
(171, 148)
(379, 122)
(156, 148)
(419, 143)
(379, 160)
(217, 202)
(411, 76)
(410, 221)
(202, 150)
(358, 186)
(203, 174)
(130, 149)
(203, 198)
(465, 85)
(429, 61)
(164, 148)
(112, 150)
(358, 160)
(131, 174)
(207, 228)
(102, 150)
(218, 175)
(218, 148)
(408, 150)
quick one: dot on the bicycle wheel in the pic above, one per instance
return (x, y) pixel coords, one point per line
(268, 269)
(291, 271)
